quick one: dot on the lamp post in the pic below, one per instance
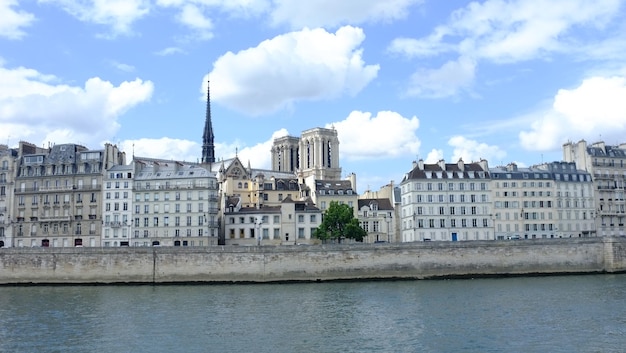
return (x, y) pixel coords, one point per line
(258, 222)
(388, 220)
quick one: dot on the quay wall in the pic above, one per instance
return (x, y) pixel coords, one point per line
(310, 263)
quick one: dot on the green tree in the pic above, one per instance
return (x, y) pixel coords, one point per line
(338, 223)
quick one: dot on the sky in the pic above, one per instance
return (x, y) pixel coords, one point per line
(400, 80)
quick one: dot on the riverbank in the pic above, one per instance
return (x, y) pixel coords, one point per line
(311, 263)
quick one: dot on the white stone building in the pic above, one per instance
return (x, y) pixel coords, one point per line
(174, 204)
(607, 166)
(58, 192)
(291, 223)
(117, 205)
(446, 202)
(551, 200)
(8, 158)
(376, 217)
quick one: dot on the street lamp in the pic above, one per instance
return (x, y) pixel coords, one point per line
(257, 223)
(388, 220)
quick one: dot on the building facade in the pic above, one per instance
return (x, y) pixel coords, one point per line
(174, 204)
(551, 200)
(575, 203)
(376, 217)
(8, 157)
(293, 222)
(315, 153)
(117, 205)
(58, 192)
(446, 202)
(607, 166)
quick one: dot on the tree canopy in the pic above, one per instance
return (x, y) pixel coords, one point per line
(339, 222)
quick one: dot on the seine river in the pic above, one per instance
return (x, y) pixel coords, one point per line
(536, 314)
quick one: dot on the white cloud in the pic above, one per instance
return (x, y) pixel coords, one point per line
(192, 17)
(162, 148)
(500, 31)
(451, 78)
(474, 151)
(333, 13)
(596, 108)
(386, 135)
(434, 156)
(122, 67)
(13, 21)
(39, 109)
(169, 51)
(258, 155)
(304, 65)
(118, 14)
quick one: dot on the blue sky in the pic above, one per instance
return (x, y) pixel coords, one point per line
(505, 81)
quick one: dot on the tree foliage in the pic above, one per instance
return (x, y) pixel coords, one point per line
(338, 223)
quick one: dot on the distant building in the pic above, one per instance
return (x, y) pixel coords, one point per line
(8, 157)
(607, 166)
(551, 200)
(446, 202)
(391, 193)
(323, 191)
(292, 222)
(376, 217)
(58, 194)
(175, 204)
(117, 205)
(315, 153)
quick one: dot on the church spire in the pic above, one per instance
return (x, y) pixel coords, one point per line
(208, 148)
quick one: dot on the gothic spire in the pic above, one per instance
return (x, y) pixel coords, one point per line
(208, 148)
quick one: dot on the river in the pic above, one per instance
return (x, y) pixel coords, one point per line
(523, 314)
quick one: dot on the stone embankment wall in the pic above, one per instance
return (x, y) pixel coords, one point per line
(311, 263)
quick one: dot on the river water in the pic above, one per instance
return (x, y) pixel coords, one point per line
(535, 314)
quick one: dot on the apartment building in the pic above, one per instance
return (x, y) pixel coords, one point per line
(575, 203)
(8, 157)
(292, 222)
(58, 192)
(117, 205)
(391, 193)
(447, 202)
(376, 217)
(550, 200)
(324, 191)
(174, 204)
(607, 166)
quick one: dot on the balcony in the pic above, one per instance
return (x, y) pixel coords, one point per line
(54, 219)
(114, 224)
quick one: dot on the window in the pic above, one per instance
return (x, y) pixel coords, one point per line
(301, 218)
